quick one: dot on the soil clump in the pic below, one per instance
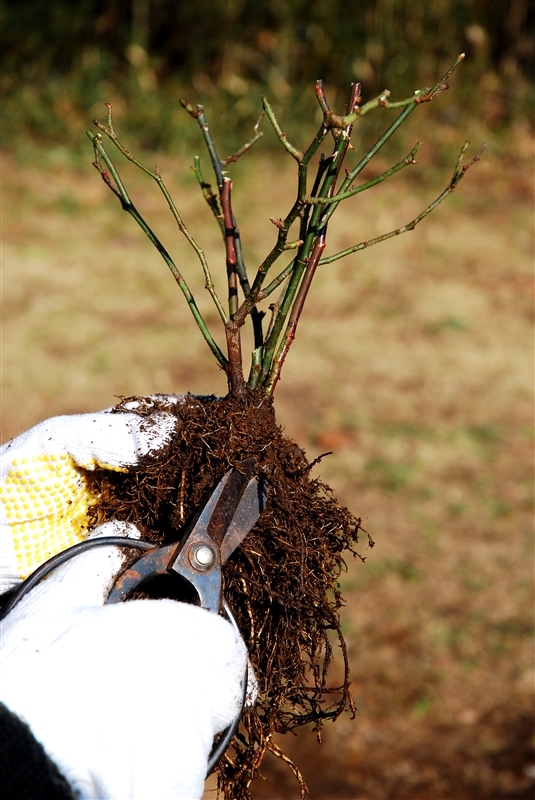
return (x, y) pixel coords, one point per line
(281, 583)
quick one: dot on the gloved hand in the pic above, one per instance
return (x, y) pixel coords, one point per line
(45, 491)
(125, 698)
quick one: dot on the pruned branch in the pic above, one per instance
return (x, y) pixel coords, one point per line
(458, 174)
(283, 139)
(156, 176)
(120, 191)
(420, 96)
(311, 212)
(297, 310)
(313, 237)
(208, 195)
(247, 146)
(197, 112)
(409, 159)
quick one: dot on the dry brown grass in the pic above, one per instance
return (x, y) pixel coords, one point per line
(413, 363)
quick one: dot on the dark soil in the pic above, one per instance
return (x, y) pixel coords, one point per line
(282, 582)
(433, 762)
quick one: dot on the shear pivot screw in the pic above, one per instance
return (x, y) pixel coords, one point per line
(202, 557)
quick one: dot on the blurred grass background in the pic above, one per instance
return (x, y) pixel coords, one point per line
(61, 61)
(413, 361)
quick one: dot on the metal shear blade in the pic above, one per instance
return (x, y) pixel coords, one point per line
(232, 510)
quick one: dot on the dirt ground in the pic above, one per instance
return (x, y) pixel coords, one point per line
(413, 364)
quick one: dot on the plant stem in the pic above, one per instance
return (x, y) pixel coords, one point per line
(232, 274)
(127, 205)
(315, 238)
(197, 112)
(458, 175)
(367, 158)
(275, 371)
(256, 294)
(270, 114)
(311, 211)
(244, 148)
(421, 96)
(409, 159)
(281, 277)
(208, 195)
(156, 176)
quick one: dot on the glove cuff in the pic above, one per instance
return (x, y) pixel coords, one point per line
(26, 772)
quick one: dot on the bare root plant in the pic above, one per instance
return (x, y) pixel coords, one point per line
(283, 582)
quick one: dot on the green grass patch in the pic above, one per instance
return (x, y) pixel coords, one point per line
(389, 475)
(449, 323)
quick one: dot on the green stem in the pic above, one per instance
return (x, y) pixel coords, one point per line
(244, 148)
(197, 112)
(458, 174)
(128, 206)
(409, 159)
(256, 293)
(317, 238)
(281, 308)
(276, 282)
(421, 96)
(303, 256)
(209, 285)
(208, 195)
(213, 203)
(274, 375)
(270, 114)
(280, 314)
(256, 366)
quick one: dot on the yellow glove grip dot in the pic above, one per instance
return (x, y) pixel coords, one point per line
(46, 499)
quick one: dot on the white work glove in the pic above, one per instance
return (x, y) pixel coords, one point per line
(125, 698)
(44, 489)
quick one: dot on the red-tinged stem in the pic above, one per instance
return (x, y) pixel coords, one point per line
(230, 246)
(236, 381)
(296, 314)
(234, 369)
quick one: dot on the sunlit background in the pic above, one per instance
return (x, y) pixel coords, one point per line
(413, 362)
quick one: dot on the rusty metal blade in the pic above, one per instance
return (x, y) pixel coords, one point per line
(245, 517)
(229, 500)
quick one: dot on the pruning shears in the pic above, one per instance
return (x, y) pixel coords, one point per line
(231, 511)
(219, 528)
